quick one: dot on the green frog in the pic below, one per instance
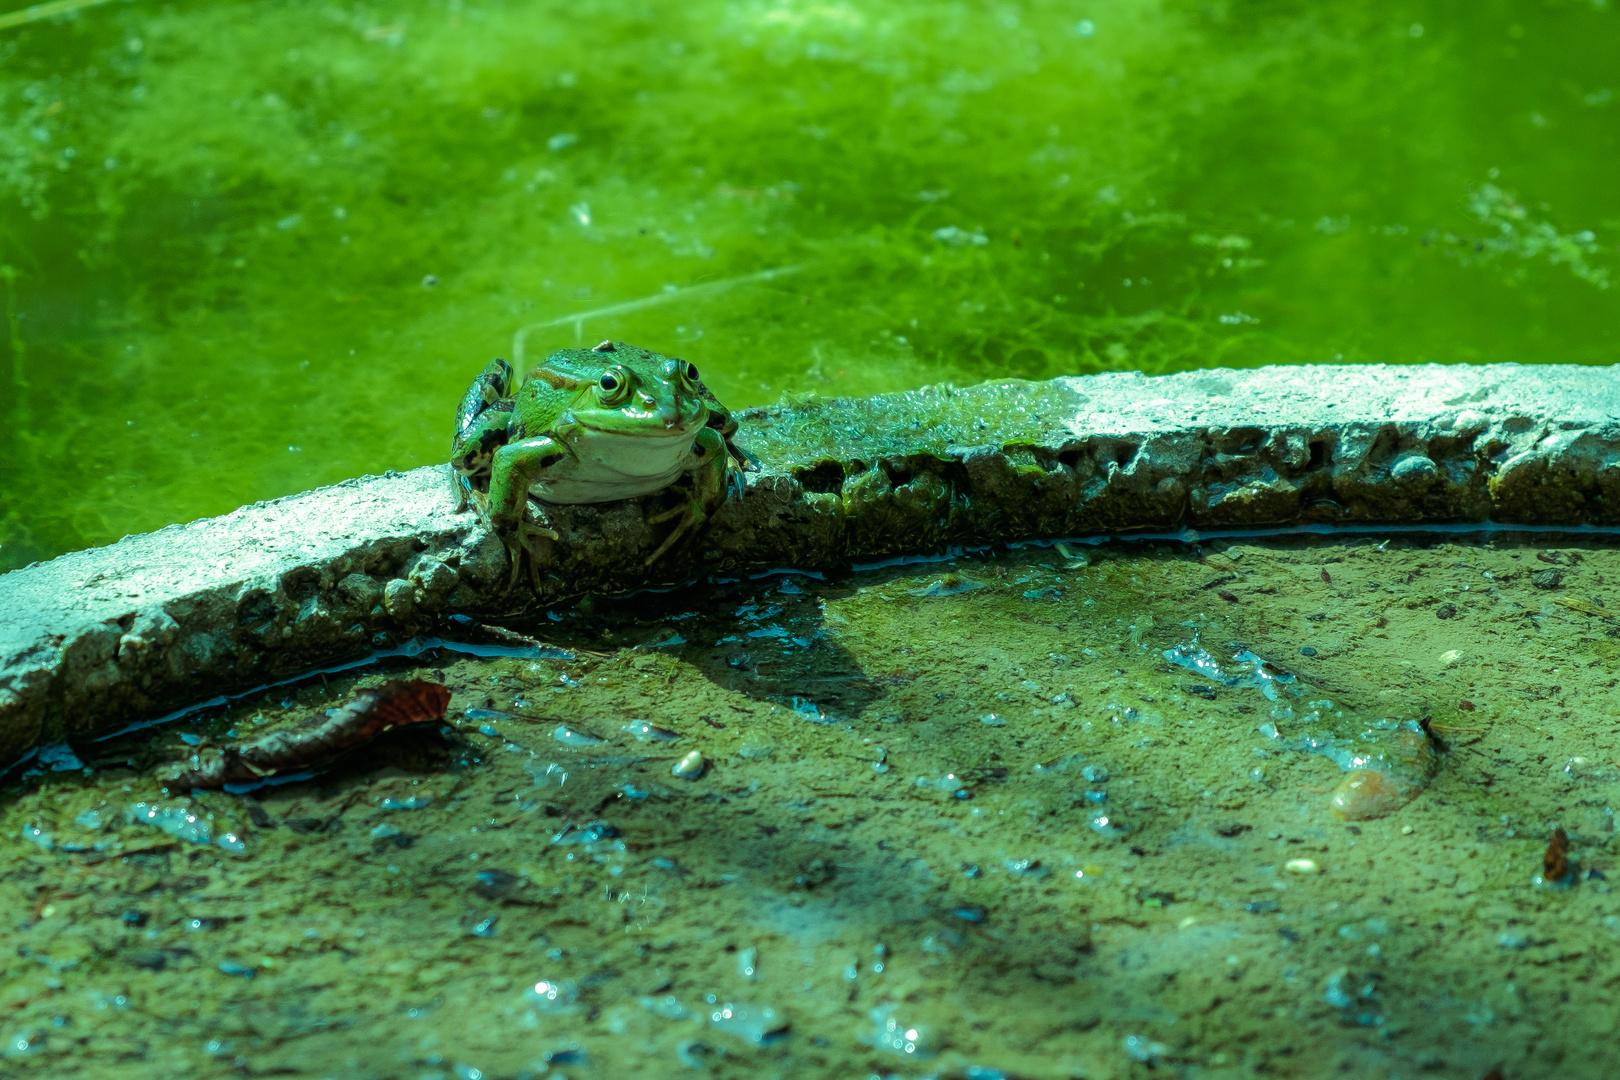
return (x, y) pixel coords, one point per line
(591, 426)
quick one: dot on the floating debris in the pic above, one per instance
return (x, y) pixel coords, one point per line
(231, 967)
(1072, 559)
(588, 833)
(950, 783)
(645, 731)
(667, 1007)
(1104, 825)
(1557, 865)
(1143, 1049)
(1302, 866)
(892, 1034)
(182, 824)
(415, 802)
(948, 585)
(554, 997)
(500, 635)
(759, 1025)
(571, 736)
(488, 714)
(1244, 669)
(1345, 990)
(550, 774)
(748, 963)
(1585, 608)
(368, 714)
(690, 767)
(993, 720)
(34, 834)
(1387, 762)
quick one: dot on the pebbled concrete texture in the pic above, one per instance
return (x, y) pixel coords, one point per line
(99, 638)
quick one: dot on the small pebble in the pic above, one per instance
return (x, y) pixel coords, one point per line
(1302, 866)
(1446, 611)
(1306, 650)
(690, 767)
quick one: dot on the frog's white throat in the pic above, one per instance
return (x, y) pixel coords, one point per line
(607, 466)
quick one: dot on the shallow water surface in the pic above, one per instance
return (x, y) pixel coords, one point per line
(1052, 812)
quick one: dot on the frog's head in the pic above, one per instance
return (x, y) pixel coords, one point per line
(624, 390)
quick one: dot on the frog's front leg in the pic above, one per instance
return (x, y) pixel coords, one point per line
(704, 494)
(515, 467)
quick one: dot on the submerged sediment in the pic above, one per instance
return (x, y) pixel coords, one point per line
(103, 637)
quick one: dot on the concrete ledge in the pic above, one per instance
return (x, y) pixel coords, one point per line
(101, 637)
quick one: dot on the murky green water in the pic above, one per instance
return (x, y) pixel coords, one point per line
(969, 820)
(221, 222)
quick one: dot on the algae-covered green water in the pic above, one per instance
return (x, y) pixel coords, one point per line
(1020, 815)
(250, 248)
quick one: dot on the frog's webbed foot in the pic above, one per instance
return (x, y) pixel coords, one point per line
(690, 512)
(524, 545)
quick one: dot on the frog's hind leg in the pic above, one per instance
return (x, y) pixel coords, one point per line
(705, 493)
(690, 512)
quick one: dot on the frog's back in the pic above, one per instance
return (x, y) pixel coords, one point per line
(546, 394)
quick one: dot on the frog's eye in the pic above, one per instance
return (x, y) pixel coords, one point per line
(691, 372)
(614, 386)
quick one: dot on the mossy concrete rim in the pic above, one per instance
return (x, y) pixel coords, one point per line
(102, 637)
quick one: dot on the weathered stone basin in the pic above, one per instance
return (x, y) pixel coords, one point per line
(103, 637)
